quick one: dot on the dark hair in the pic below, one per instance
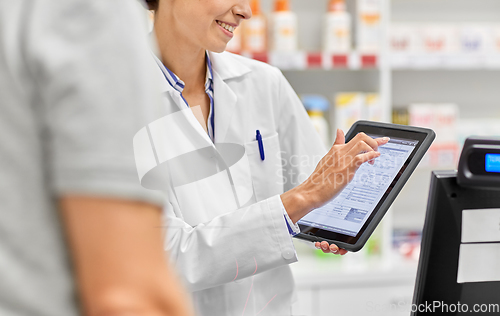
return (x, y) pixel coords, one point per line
(152, 4)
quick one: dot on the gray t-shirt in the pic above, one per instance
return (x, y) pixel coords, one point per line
(75, 87)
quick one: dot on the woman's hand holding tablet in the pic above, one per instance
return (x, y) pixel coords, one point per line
(362, 193)
(332, 174)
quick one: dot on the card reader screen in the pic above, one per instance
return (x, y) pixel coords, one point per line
(348, 211)
(492, 162)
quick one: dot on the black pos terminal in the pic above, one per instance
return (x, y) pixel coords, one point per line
(459, 266)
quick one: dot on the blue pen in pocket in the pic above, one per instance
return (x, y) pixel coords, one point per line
(261, 145)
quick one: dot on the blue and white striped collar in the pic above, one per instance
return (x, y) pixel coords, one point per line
(176, 83)
(209, 76)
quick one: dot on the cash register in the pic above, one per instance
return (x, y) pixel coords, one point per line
(459, 265)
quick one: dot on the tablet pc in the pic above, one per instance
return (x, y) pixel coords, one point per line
(350, 218)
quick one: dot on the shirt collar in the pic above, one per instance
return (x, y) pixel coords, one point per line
(209, 76)
(177, 83)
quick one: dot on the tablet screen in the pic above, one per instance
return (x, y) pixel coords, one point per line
(350, 209)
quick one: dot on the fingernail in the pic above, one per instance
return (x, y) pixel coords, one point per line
(386, 139)
(335, 250)
(317, 247)
(325, 247)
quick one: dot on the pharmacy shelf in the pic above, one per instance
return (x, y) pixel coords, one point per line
(368, 69)
(465, 79)
(316, 60)
(401, 61)
(356, 61)
(397, 61)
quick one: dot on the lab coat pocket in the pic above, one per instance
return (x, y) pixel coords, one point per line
(267, 174)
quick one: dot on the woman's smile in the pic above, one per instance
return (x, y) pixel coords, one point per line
(227, 28)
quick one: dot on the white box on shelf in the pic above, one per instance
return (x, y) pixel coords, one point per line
(472, 45)
(403, 44)
(474, 38)
(403, 37)
(442, 118)
(421, 114)
(437, 41)
(439, 38)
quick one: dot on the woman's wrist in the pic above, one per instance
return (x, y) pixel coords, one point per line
(297, 203)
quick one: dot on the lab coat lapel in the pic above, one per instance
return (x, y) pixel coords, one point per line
(224, 103)
(225, 66)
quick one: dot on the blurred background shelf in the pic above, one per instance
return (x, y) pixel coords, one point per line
(449, 62)
(316, 60)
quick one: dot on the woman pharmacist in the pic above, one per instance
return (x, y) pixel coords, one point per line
(240, 137)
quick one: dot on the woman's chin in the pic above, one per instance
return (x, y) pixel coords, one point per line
(218, 49)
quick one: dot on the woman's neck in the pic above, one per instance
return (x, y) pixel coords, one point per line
(183, 59)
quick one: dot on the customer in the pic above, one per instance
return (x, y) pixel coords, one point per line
(74, 89)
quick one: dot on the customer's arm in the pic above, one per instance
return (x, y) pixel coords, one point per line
(118, 258)
(95, 88)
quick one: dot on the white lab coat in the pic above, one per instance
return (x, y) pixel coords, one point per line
(233, 253)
